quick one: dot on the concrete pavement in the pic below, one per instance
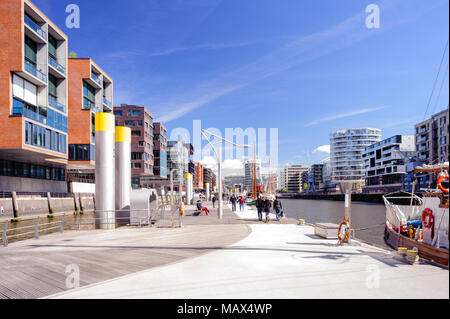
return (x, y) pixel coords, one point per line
(280, 261)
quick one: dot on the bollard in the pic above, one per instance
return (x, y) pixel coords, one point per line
(36, 229)
(123, 174)
(104, 170)
(4, 236)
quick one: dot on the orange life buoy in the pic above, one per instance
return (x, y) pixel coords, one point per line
(439, 182)
(427, 218)
(343, 237)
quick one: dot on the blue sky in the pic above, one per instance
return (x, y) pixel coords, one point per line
(304, 67)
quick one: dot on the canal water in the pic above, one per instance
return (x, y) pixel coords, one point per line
(324, 211)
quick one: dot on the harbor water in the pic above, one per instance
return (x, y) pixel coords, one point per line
(324, 211)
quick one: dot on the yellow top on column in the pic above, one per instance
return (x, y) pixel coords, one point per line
(188, 175)
(123, 134)
(104, 122)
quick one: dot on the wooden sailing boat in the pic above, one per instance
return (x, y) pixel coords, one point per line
(422, 223)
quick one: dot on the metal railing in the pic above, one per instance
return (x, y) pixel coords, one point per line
(56, 65)
(96, 79)
(34, 232)
(107, 103)
(35, 27)
(30, 68)
(54, 103)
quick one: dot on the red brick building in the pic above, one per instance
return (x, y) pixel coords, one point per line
(140, 120)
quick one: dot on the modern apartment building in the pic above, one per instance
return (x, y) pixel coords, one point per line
(250, 169)
(347, 147)
(432, 138)
(90, 92)
(198, 177)
(315, 174)
(140, 120)
(294, 177)
(209, 177)
(385, 161)
(160, 150)
(177, 158)
(33, 100)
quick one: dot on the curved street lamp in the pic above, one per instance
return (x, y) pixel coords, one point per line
(219, 162)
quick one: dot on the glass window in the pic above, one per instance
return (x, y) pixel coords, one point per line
(136, 113)
(443, 140)
(130, 123)
(52, 83)
(52, 44)
(443, 120)
(118, 113)
(30, 50)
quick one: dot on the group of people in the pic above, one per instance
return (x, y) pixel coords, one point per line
(241, 201)
(264, 206)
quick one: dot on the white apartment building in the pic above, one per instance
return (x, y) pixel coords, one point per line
(384, 162)
(347, 147)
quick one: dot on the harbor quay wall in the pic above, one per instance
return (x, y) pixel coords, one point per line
(16, 207)
(358, 197)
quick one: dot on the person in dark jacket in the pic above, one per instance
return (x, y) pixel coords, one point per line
(260, 207)
(233, 201)
(214, 199)
(267, 206)
(277, 206)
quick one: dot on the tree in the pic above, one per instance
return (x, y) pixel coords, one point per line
(72, 55)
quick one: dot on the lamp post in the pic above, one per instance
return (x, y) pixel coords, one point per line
(219, 163)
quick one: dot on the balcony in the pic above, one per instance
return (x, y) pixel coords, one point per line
(55, 104)
(30, 68)
(56, 65)
(107, 103)
(88, 105)
(30, 23)
(96, 79)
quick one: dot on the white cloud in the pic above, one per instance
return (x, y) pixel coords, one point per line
(323, 149)
(232, 164)
(343, 115)
(209, 162)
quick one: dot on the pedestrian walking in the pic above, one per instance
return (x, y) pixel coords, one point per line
(277, 206)
(267, 206)
(260, 207)
(214, 199)
(241, 204)
(233, 201)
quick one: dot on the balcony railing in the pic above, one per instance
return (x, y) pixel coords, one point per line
(53, 103)
(30, 68)
(35, 27)
(56, 65)
(88, 105)
(107, 103)
(96, 79)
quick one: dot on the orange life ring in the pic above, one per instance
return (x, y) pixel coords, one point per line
(427, 222)
(439, 182)
(342, 239)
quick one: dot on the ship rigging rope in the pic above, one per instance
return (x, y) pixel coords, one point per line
(436, 79)
(368, 227)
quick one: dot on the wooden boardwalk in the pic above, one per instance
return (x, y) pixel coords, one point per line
(37, 268)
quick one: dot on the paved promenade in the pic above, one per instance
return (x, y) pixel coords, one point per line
(37, 268)
(280, 261)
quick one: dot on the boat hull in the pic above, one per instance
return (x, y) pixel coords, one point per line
(395, 240)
